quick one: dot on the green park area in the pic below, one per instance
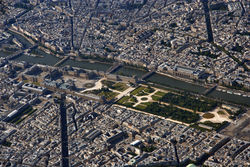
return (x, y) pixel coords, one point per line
(190, 102)
(142, 91)
(106, 92)
(158, 95)
(135, 95)
(18, 119)
(215, 126)
(119, 86)
(175, 107)
(172, 113)
(160, 109)
(128, 101)
(142, 106)
(209, 124)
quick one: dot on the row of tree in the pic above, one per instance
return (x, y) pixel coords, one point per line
(172, 112)
(187, 101)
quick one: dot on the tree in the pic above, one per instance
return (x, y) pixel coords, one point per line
(173, 25)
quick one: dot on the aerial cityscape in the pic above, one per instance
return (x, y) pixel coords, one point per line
(124, 83)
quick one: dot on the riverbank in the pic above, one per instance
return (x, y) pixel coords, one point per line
(127, 70)
(19, 33)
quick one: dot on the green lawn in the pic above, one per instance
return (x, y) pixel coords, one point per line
(137, 90)
(123, 99)
(159, 93)
(133, 99)
(23, 116)
(172, 112)
(142, 91)
(146, 103)
(221, 112)
(128, 101)
(156, 98)
(215, 126)
(149, 90)
(109, 95)
(190, 102)
(108, 83)
(119, 86)
(141, 107)
(106, 92)
(129, 104)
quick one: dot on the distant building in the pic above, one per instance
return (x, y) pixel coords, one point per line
(16, 112)
(188, 72)
(34, 88)
(233, 6)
